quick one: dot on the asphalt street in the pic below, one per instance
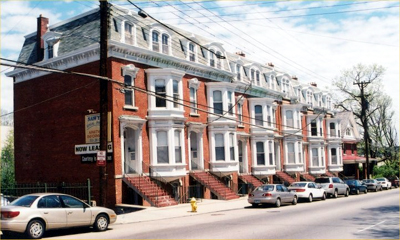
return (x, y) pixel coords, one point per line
(369, 216)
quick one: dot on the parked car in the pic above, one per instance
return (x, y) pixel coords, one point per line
(272, 194)
(4, 200)
(34, 214)
(395, 181)
(333, 186)
(372, 185)
(308, 190)
(356, 186)
(386, 184)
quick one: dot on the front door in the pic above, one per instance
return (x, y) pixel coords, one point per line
(130, 143)
(194, 151)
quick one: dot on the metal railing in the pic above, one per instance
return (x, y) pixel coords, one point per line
(79, 190)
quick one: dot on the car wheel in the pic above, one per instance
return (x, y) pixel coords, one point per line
(381, 189)
(294, 202)
(347, 193)
(366, 191)
(101, 223)
(357, 192)
(376, 189)
(323, 196)
(35, 229)
(254, 205)
(278, 202)
(310, 198)
(335, 194)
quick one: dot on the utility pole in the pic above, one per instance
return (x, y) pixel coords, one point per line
(364, 121)
(103, 97)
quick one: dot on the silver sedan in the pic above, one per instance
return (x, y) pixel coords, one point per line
(34, 214)
(272, 194)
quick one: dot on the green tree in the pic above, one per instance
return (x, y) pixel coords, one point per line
(7, 162)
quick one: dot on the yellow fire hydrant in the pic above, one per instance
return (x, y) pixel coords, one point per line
(193, 204)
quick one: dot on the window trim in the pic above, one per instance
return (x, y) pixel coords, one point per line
(130, 70)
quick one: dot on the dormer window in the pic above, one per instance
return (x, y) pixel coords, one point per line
(212, 58)
(238, 73)
(310, 98)
(129, 34)
(51, 44)
(155, 43)
(165, 43)
(285, 85)
(273, 80)
(192, 52)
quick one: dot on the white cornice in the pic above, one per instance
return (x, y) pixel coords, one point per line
(76, 58)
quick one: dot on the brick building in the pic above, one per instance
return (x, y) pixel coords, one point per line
(187, 118)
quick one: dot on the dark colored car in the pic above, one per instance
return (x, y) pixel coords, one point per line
(356, 186)
(395, 181)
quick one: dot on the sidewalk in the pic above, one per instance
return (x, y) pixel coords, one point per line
(181, 210)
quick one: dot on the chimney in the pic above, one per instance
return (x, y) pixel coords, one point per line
(313, 84)
(42, 26)
(295, 77)
(240, 53)
(270, 64)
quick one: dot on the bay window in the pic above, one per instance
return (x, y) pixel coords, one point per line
(260, 153)
(160, 91)
(162, 147)
(219, 147)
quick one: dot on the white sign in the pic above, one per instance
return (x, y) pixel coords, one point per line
(90, 148)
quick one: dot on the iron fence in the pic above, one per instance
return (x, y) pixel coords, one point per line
(79, 190)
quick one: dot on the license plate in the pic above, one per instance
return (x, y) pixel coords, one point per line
(256, 201)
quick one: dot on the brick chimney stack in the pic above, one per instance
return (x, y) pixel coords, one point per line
(295, 78)
(240, 53)
(313, 84)
(42, 26)
(270, 64)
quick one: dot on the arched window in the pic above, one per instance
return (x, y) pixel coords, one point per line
(156, 41)
(212, 58)
(192, 52)
(165, 43)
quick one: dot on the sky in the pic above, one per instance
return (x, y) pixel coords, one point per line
(313, 40)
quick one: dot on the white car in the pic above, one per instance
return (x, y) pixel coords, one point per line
(36, 213)
(386, 184)
(308, 190)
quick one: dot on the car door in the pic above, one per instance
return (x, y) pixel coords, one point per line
(314, 190)
(78, 213)
(287, 197)
(51, 210)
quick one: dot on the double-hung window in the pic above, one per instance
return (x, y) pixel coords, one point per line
(212, 58)
(314, 128)
(270, 153)
(217, 100)
(252, 72)
(258, 78)
(50, 51)
(230, 102)
(219, 147)
(193, 100)
(218, 60)
(176, 93)
(129, 97)
(192, 52)
(315, 160)
(289, 119)
(260, 153)
(291, 153)
(162, 147)
(332, 129)
(240, 113)
(161, 92)
(258, 115)
(238, 75)
(232, 146)
(129, 36)
(178, 147)
(165, 43)
(156, 41)
(334, 156)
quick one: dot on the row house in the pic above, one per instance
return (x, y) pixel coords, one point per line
(186, 117)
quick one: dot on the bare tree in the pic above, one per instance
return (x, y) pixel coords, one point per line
(360, 91)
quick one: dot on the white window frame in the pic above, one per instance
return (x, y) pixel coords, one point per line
(130, 70)
(194, 84)
(124, 33)
(192, 53)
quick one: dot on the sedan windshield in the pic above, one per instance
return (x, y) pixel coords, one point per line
(380, 179)
(25, 201)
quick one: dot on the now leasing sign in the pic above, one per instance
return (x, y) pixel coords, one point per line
(83, 149)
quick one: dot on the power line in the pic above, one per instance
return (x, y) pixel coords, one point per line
(154, 94)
